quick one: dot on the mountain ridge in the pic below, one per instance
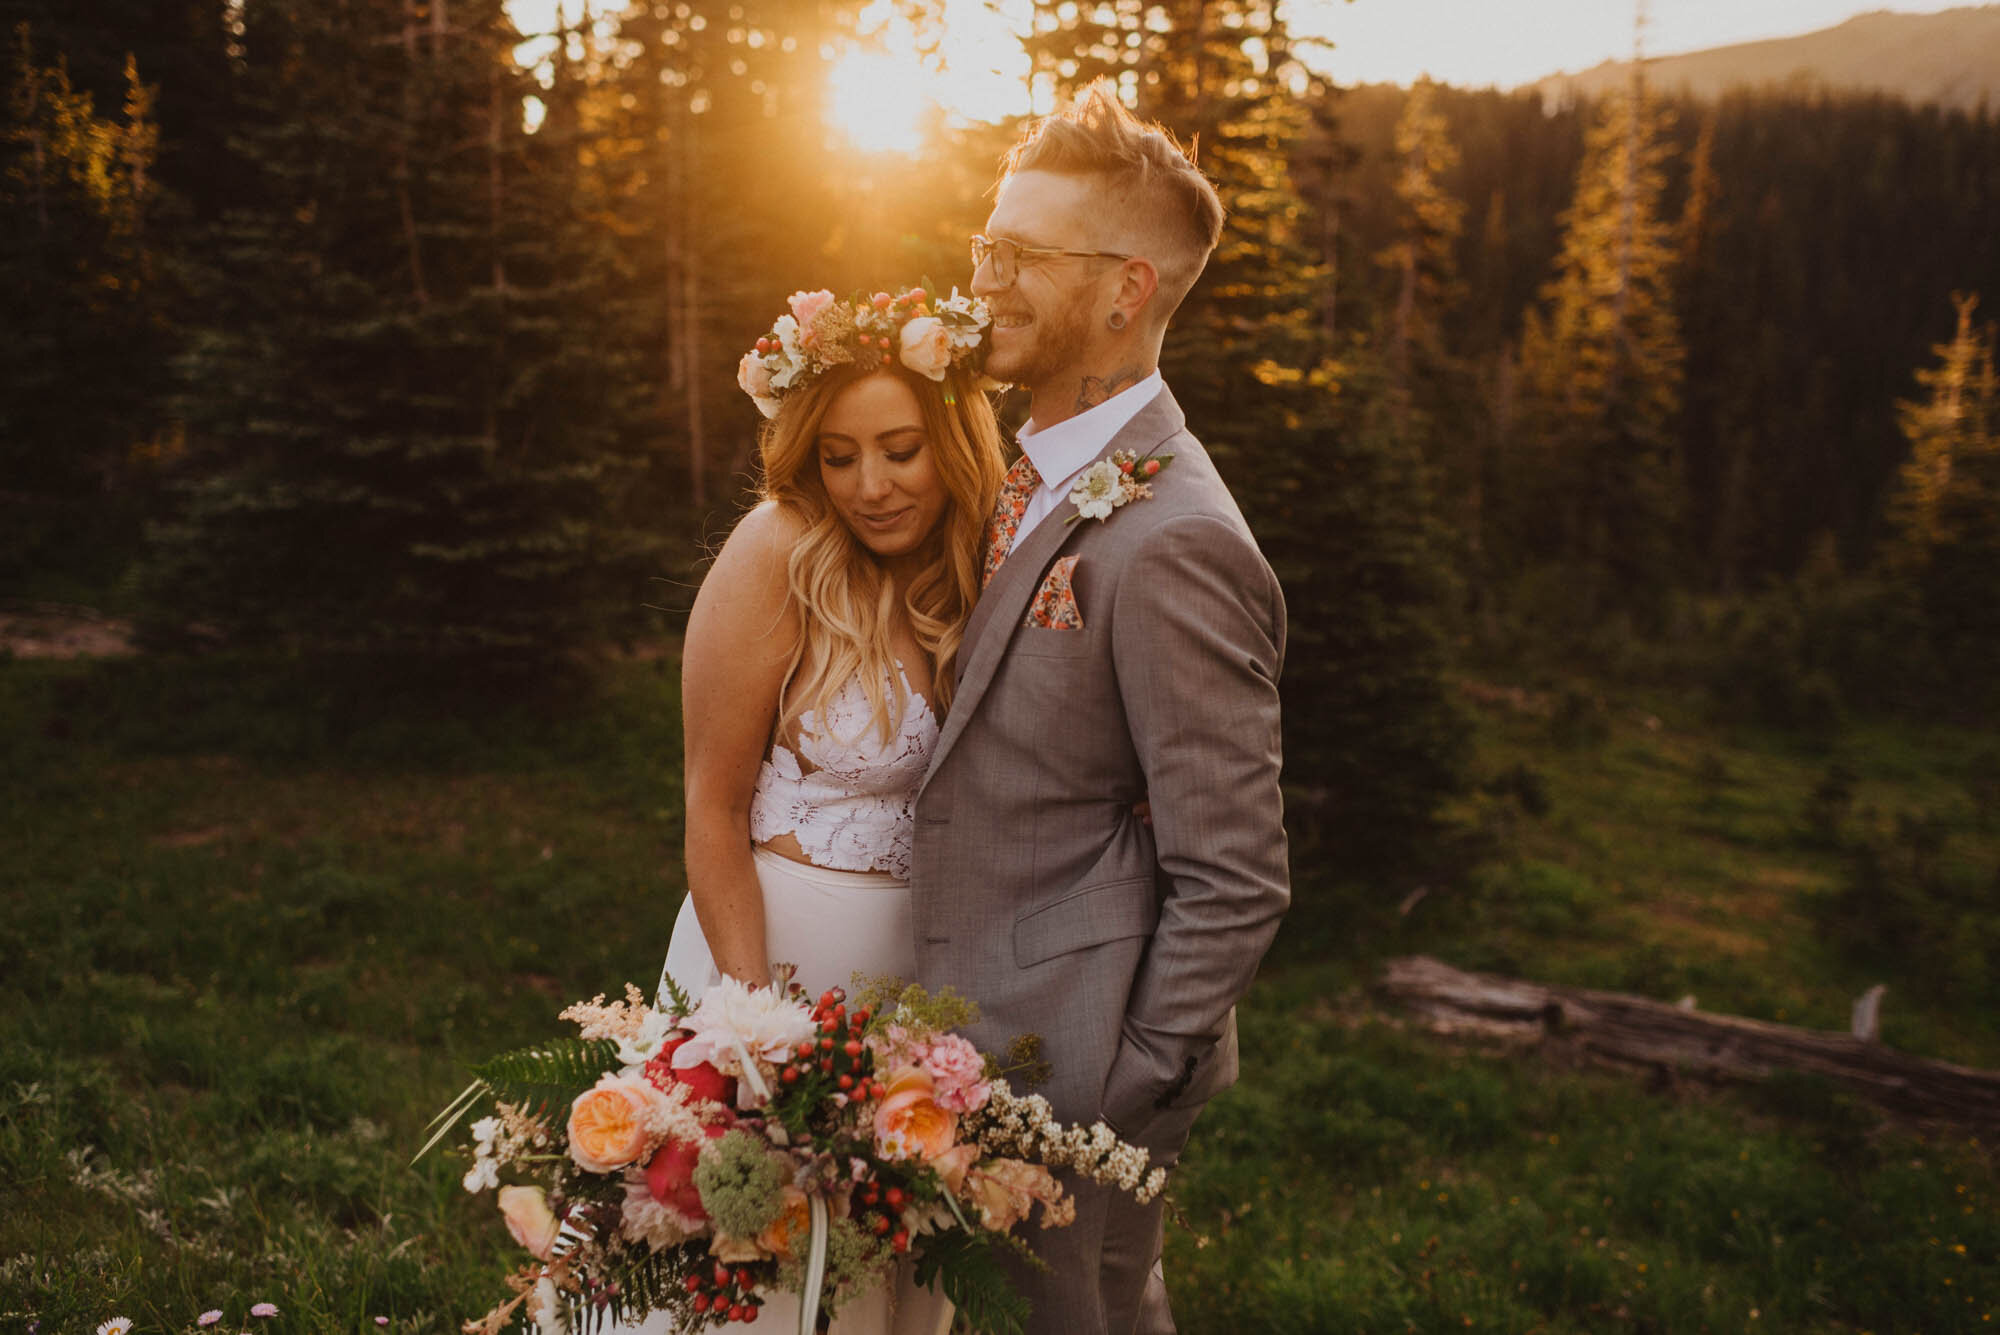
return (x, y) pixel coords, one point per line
(1950, 58)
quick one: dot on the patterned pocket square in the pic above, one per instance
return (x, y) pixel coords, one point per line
(1054, 607)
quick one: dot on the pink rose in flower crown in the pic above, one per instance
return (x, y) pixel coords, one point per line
(807, 308)
(609, 1123)
(909, 1115)
(957, 1070)
(927, 347)
(529, 1219)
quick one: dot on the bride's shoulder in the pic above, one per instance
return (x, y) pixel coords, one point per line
(766, 531)
(749, 575)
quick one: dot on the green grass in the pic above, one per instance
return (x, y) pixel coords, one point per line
(254, 923)
(1674, 857)
(1362, 1179)
(254, 931)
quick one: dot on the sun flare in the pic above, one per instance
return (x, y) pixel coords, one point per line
(879, 102)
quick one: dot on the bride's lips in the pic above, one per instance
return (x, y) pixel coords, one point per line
(882, 523)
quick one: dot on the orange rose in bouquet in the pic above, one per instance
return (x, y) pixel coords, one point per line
(910, 1121)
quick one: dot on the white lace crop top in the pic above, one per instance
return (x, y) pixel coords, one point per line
(854, 809)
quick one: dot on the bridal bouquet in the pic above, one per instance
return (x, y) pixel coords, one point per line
(696, 1158)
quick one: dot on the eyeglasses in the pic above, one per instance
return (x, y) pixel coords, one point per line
(1007, 256)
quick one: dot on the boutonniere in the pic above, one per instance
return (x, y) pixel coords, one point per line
(1119, 480)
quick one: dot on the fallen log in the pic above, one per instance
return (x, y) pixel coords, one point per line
(1676, 1040)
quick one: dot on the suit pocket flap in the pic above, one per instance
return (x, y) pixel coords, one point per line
(1088, 917)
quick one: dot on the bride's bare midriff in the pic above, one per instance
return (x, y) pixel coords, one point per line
(787, 846)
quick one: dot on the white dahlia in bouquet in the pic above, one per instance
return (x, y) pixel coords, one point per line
(698, 1158)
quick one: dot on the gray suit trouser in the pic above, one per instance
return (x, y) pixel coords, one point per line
(1131, 1297)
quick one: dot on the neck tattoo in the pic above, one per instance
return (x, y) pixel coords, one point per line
(1096, 389)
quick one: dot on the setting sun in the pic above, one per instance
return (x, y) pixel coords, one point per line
(879, 102)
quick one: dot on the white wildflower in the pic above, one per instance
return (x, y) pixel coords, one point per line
(117, 1325)
(483, 1132)
(640, 1048)
(484, 1175)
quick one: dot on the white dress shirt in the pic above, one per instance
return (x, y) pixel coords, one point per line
(1064, 450)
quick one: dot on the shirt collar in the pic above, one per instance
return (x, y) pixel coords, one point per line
(1061, 451)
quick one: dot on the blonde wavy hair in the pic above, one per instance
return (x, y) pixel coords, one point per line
(846, 601)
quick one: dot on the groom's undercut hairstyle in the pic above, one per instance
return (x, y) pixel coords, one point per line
(1167, 210)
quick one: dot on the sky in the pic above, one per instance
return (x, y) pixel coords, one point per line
(1508, 42)
(1472, 43)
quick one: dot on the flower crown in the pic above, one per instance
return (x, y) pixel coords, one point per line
(822, 332)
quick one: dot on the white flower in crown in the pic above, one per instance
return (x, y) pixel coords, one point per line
(791, 363)
(1110, 483)
(965, 320)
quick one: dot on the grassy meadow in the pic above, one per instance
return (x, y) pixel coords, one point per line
(255, 922)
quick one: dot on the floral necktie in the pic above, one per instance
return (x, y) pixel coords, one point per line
(1015, 489)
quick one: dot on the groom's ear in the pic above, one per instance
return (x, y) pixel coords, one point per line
(1136, 286)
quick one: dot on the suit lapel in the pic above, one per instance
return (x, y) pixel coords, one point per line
(1004, 603)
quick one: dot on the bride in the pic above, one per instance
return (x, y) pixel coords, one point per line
(818, 663)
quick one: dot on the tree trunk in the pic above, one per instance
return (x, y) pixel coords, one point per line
(495, 192)
(36, 138)
(683, 291)
(402, 167)
(1636, 1032)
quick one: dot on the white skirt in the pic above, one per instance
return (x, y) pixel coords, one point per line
(832, 925)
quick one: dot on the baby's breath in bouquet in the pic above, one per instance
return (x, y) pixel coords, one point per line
(697, 1158)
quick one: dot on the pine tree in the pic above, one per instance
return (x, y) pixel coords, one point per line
(1423, 259)
(1596, 478)
(1947, 511)
(408, 417)
(85, 334)
(1959, 421)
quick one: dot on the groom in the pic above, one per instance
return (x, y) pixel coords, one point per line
(1124, 654)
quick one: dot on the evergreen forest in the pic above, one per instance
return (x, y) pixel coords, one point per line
(373, 364)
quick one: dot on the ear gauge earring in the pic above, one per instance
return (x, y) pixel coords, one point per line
(1116, 319)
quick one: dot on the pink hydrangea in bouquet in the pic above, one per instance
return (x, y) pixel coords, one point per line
(698, 1158)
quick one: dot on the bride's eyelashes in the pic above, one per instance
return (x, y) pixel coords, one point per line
(893, 456)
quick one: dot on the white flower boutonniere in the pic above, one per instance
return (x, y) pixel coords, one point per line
(1118, 480)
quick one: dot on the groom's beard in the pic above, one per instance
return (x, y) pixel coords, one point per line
(1056, 350)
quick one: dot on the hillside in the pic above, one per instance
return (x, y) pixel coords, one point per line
(1950, 58)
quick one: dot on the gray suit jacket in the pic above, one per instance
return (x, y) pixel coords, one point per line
(1037, 891)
